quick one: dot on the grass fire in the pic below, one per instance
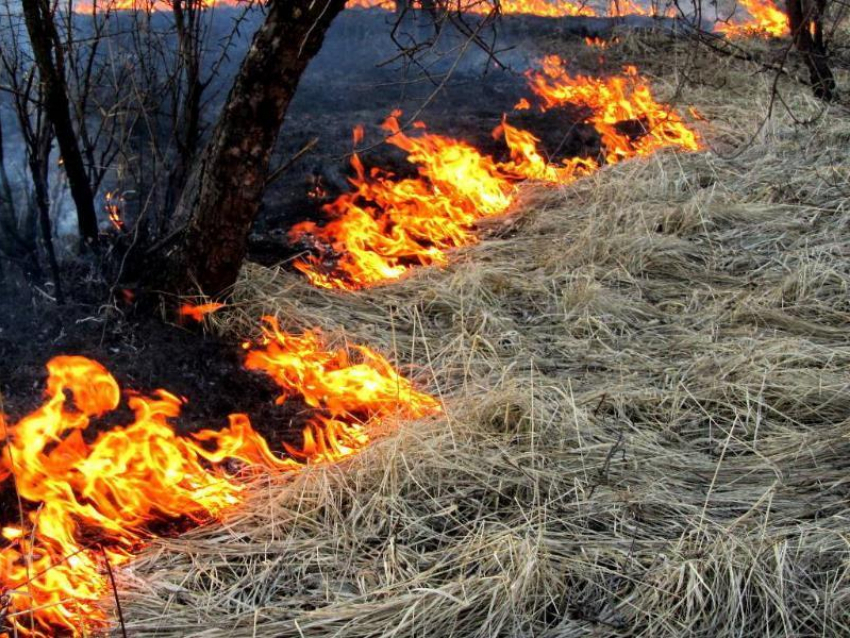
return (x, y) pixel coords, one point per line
(386, 225)
(90, 505)
(372, 318)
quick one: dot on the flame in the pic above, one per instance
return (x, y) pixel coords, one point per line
(91, 500)
(617, 104)
(198, 312)
(388, 225)
(543, 8)
(114, 205)
(528, 163)
(766, 19)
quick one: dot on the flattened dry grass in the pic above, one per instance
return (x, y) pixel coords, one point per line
(645, 379)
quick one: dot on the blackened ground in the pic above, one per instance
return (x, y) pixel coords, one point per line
(143, 354)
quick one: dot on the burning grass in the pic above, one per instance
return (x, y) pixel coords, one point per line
(91, 495)
(646, 427)
(386, 226)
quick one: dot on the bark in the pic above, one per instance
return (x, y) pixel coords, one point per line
(220, 203)
(48, 58)
(805, 18)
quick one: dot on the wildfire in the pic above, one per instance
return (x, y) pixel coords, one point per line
(386, 225)
(90, 505)
(766, 19)
(543, 8)
(629, 120)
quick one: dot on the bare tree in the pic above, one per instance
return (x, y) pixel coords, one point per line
(49, 57)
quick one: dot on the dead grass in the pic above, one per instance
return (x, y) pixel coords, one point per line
(646, 384)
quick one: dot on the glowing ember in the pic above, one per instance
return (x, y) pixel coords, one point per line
(87, 503)
(198, 312)
(766, 19)
(387, 225)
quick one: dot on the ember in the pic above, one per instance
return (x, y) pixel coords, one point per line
(198, 312)
(89, 505)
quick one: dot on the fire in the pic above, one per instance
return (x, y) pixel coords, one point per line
(388, 5)
(621, 106)
(198, 312)
(90, 500)
(109, 6)
(387, 225)
(114, 205)
(527, 162)
(766, 19)
(543, 8)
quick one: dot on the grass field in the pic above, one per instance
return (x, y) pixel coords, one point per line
(646, 380)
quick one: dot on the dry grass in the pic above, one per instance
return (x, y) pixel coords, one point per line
(646, 379)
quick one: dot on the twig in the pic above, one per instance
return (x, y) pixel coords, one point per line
(275, 175)
(118, 609)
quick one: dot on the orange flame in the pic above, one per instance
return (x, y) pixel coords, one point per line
(198, 312)
(765, 20)
(93, 502)
(618, 104)
(387, 226)
(527, 162)
(543, 8)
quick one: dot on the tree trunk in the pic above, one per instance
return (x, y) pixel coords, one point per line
(220, 203)
(48, 57)
(805, 18)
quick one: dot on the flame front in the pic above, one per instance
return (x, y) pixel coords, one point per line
(86, 503)
(387, 225)
(628, 118)
(766, 19)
